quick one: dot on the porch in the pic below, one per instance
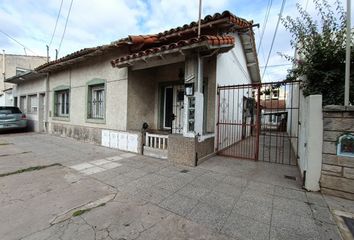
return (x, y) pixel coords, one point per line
(158, 106)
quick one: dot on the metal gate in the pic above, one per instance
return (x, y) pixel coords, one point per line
(259, 121)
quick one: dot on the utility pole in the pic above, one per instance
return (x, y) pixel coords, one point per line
(347, 57)
(47, 53)
(200, 17)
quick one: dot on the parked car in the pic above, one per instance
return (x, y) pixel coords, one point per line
(12, 118)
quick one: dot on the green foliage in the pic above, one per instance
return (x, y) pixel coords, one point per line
(320, 47)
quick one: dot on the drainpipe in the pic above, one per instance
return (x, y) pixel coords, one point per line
(47, 102)
(3, 68)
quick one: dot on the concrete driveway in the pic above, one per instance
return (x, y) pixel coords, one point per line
(100, 193)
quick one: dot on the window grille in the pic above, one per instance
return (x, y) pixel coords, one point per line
(96, 104)
(62, 105)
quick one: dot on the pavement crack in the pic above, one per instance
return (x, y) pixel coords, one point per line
(30, 169)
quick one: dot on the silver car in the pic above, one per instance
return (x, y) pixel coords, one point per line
(12, 118)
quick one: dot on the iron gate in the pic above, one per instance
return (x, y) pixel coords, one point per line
(259, 121)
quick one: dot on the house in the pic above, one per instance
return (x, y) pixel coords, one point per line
(150, 94)
(11, 65)
(274, 114)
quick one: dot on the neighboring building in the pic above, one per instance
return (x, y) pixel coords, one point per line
(11, 65)
(169, 80)
(274, 114)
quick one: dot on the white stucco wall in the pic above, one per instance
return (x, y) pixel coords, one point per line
(12, 61)
(26, 89)
(231, 69)
(310, 141)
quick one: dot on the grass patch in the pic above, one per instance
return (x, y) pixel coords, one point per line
(30, 169)
(5, 143)
(82, 211)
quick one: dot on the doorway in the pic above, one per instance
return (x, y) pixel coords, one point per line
(172, 116)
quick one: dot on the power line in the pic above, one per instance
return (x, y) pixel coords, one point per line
(277, 65)
(13, 39)
(261, 51)
(56, 23)
(66, 23)
(274, 35)
(266, 17)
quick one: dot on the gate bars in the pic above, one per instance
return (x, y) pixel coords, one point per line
(259, 121)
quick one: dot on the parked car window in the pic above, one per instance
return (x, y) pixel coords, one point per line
(9, 110)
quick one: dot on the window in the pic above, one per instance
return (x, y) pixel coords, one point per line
(33, 103)
(23, 103)
(96, 102)
(61, 103)
(21, 70)
(275, 94)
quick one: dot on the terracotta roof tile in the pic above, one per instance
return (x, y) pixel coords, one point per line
(273, 104)
(172, 38)
(211, 40)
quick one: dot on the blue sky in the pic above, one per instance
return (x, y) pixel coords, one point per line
(96, 22)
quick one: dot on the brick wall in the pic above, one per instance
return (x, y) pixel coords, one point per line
(337, 175)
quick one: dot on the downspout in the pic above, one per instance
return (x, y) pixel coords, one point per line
(3, 68)
(47, 102)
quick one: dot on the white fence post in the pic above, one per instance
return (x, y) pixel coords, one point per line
(311, 138)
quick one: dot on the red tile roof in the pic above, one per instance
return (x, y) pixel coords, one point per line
(211, 26)
(178, 32)
(211, 40)
(273, 104)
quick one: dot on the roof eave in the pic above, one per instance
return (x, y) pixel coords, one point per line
(249, 48)
(29, 76)
(205, 46)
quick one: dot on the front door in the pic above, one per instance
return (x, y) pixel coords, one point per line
(173, 108)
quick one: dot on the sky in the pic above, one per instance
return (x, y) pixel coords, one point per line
(97, 22)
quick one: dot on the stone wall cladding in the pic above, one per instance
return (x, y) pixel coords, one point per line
(86, 134)
(187, 151)
(204, 149)
(337, 176)
(181, 150)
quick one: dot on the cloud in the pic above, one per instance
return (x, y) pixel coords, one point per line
(96, 22)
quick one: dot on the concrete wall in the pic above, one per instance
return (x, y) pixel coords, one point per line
(12, 61)
(310, 141)
(144, 94)
(210, 74)
(36, 120)
(337, 171)
(231, 67)
(76, 78)
(188, 151)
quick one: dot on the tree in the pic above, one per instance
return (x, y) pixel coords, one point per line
(320, 48)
